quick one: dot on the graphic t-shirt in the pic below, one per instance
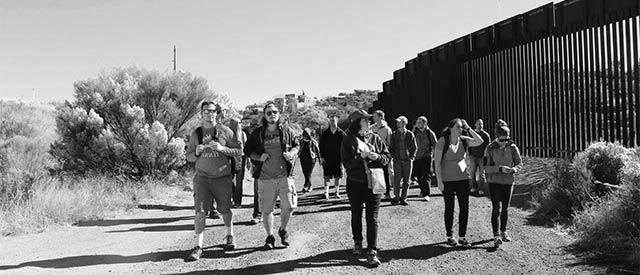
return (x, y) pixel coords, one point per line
(213, 164)
(275, 166)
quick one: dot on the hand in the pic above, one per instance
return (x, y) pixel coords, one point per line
(441, 186)
(263, 157)
(288, 156)
(465, 126)
(373, 155)
(200, 148)
(215, 146)
(363, 155)
(508, 170)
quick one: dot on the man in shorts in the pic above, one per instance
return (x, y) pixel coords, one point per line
(330, 142)
(208, 148)
(274, 148)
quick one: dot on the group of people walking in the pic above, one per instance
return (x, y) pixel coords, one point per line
(462, 158)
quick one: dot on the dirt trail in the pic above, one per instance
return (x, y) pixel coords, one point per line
(411, 239)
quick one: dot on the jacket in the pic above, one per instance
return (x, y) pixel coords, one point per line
(330, 146)
(409, 145)
(354, 164)
(426, 142)
(496, 157)
(383, 131)
(255, 144)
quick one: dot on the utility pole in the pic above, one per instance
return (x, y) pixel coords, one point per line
(174, 58)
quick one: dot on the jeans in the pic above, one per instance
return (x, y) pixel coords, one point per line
(402, 172)
(388, 174)
(475, 171)
(237, 188)
(454, 189)
(500, 199)
(359, 193)
(256, 202)
(422, 167)
(307, 165)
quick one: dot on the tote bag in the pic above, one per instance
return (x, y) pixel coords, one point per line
(375, 178)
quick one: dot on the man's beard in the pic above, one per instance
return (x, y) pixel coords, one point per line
(272, 122)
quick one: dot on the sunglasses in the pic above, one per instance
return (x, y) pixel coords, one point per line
(269, 113)
(206, 112)
(504, 139)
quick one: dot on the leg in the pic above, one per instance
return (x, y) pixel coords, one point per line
(372, 203)
(239, 179)
(288, 200)
(419, 166)
(222, 189)
(427, 176)
(495, 207)
(448, 194)
(397, 177)
(267, 194)
(356, 198)
(473, 167)
(463, 201)
(307, 168)
(202, 200)
(406, 174)
(386, 179)
(507, 191)
(256, 204)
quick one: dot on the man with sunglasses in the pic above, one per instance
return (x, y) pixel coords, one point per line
(273, 147)
(209, 147)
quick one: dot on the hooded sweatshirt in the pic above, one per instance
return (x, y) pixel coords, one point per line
(496, 157)
(383, 130)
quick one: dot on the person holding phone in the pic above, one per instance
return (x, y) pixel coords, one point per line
(503, 160)
(452, 174)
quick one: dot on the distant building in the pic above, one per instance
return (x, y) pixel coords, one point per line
(279, 102)
(291, 103)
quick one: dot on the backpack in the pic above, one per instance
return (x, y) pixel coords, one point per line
(447, 142)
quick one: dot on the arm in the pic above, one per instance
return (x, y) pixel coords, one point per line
(322, 145)
(517, 160)
(433, 140)
(490, 167)
(438, 162)
(413, 147)
(474, 140)
(392, 146)
(383, 153)
(348, 154)
(191, 148)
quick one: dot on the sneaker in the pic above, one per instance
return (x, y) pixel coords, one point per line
(214, 215)
(326, 196)
(338, 195)
(497, 241)
(387, 197)
(284, 237)
(357, 248)
(403, 202)
(463, 242)
(452, 241)
(194, 254)
(256, 220)
(270, 243)
(230, 244)
(426, 198)
(237, 205)
(473, 190)
(480, 192)
(372, 258)
(305, 190)
(505, 237)
(394, 202)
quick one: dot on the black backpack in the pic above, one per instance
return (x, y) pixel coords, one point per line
(200, 134)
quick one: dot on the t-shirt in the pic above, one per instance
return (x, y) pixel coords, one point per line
(213, 164)
(275, 166)
(454, 167)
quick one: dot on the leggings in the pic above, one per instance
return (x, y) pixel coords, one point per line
(453, 189)
(500, 199)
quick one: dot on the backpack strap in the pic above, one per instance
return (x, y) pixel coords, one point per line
(199, 133)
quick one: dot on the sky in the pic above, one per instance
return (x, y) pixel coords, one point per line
(249, 50)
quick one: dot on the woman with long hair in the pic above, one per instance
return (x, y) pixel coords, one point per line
(453, 178)
(359, 148)
(308, 154)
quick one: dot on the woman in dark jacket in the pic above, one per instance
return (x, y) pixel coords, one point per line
(308, 154)
(360, 146)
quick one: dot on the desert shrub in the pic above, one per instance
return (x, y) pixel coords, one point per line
(604, 160)
(558, 199)
(130, 121)
(610, 231)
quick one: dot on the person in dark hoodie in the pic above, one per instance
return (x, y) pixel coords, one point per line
(210, 147)
(361, 146)
(330, 142)
(503, 161)
(308, 154)
(274, 149)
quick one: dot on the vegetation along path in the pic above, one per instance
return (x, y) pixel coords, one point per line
(155, 238)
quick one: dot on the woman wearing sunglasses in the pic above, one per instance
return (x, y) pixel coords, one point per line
(502, 162)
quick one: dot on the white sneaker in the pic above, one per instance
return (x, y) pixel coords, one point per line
(426, 198)
(480, 192)
(473, 190)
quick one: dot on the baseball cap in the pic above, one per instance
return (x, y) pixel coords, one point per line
(403, 119)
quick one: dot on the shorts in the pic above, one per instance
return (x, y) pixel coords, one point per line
(270, 189)
(205, 190)
(331, 171)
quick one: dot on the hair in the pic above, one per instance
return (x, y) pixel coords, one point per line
(354, 127)
(306, 133)
(207, 103)
(264, 117)
(267, 106)
(380, 113)
(499, 123)
(478, 120)
(503, 131)
(447, 130)
(423, 118)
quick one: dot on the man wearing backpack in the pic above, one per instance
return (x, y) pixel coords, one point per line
(208, 148)
(426, 142)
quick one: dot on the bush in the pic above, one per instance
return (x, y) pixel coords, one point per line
(604, 160)
(130, 121)
(610, 231)
(558, 199)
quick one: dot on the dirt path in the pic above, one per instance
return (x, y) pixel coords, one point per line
(411, 240)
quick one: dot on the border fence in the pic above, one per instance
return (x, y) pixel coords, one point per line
(562, 75)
